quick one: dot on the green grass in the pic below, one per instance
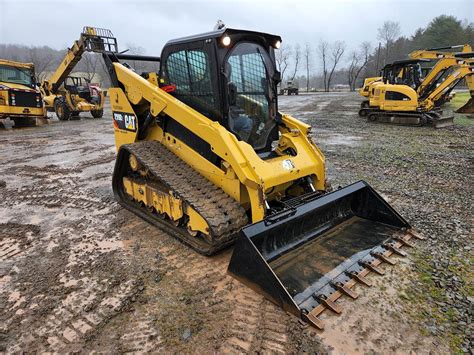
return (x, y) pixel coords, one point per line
(427, 295)
(459, 100)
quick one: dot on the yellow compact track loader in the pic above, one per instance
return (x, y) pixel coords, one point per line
(20, 99)
(204, 154)
(69, 95)
(402, 96)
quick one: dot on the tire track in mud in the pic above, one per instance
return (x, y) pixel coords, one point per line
(248, 322)
(15, 239)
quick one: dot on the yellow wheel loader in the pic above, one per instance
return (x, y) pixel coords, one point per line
(204, 154)
(20, 99)
(69, 95)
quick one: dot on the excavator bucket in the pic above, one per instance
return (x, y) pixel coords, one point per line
(306, 257)
(468, 107)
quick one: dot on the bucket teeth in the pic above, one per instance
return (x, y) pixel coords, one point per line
(404, 242)
(345, 290)
(395, 250)
(383, 257)
(359, 278)
(328, 303)
(415, 235)
(372, 267)
(314, 321)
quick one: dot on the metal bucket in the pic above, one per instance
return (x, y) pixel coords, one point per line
(307, 256)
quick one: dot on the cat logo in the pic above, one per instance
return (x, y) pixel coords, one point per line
(125, 121)
(130, 122)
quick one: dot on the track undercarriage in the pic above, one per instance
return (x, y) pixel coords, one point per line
(152, 182)
(406, 118)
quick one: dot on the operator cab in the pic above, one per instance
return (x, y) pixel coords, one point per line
(404, 72)
(82, 87)
(229, 76)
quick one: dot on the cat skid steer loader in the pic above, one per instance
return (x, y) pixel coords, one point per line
(204, 153)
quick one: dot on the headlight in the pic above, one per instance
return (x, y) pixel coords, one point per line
(225, 40)
(278, 44)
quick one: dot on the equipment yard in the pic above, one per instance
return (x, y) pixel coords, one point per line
(79, 272)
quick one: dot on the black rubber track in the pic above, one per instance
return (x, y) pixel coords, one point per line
(223, 214)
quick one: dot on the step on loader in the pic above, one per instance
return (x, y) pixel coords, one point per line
(204, 154)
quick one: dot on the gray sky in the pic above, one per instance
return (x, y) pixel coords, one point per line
(150, 24)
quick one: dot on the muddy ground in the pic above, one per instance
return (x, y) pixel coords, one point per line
(79, 273)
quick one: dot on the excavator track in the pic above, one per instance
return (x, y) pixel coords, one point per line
(433, 118)
(224, 216)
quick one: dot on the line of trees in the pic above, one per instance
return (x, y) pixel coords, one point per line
(318, 66)
(339, 66)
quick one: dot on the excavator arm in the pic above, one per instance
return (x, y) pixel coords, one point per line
(444, 88)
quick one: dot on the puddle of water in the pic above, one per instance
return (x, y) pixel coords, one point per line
(340, 139)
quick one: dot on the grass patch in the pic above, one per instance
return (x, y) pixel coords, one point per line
(431, 299)
(459, 100)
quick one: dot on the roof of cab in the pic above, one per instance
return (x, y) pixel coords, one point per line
(219, 33)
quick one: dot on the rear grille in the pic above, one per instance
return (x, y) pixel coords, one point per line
(25, 99)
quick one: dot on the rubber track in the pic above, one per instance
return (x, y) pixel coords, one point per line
(223, 214)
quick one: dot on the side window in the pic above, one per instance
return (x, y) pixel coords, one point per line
(190, 71)
(396, 96)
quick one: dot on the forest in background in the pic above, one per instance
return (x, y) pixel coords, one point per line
(321, 65)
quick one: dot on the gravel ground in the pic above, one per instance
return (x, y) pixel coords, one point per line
(79, 273)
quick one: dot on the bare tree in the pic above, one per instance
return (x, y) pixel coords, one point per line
(43, 59)
(283, 58)
(388, 33)
(296, 58)
(90, 62)
(359, 60)
(307, 55)
(337, 51)
(323, 48)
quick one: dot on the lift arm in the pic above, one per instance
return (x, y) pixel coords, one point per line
(91, 40)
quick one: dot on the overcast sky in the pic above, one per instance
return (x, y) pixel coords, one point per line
(150, 24)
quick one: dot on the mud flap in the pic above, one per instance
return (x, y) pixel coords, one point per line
(306, 257)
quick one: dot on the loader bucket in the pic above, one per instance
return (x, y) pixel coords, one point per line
(316, 250)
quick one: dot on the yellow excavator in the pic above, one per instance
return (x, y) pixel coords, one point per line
(449, 52)
(403, 96)
(20, 99)
(68, 95)
(204, 154)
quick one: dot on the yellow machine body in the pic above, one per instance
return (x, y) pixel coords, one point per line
(184, 165)
(243, 175)
(392, 100)
(20, 100)
(70, 95)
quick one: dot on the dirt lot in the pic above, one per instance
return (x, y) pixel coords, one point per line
(79, 273)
